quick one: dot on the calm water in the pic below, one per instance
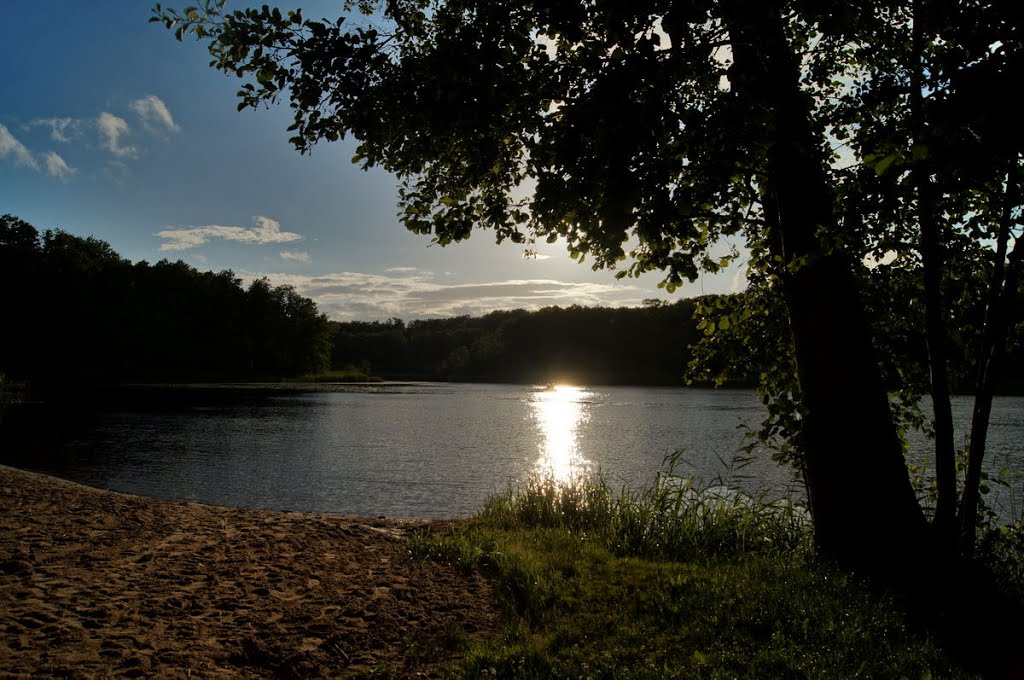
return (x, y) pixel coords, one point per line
(422, 450)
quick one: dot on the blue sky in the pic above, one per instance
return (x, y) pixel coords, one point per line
(111, 128)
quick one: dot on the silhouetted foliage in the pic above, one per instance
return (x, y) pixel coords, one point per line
(589, 345)
(76, 312)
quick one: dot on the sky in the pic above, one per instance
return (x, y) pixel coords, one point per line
(111, 128)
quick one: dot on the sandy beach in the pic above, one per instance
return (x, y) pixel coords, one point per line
(99, 584)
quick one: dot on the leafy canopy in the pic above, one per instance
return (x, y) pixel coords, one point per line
(611, 125)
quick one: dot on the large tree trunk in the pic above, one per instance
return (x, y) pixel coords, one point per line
(866, 515)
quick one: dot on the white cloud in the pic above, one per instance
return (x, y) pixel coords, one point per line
(9, 146)
(265, 231)
(112, 129)
(52, 163)
(57, 166)
(61, 129)
(739, 281)
(295, 255)
(352, 295)
(154, 114)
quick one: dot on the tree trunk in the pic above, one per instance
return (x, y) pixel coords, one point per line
(865, 512)
(1002, 294)
(935, 318)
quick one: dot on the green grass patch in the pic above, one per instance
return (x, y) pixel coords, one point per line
(670, 582)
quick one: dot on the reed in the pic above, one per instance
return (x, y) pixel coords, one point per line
(673, 519)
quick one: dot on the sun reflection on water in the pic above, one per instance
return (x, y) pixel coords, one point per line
(559, 411)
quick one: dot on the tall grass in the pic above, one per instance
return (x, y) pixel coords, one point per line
(674, 519)
(677, 580)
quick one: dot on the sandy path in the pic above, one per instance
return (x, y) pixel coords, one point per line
(99, 583)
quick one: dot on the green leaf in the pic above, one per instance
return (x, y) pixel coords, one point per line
(883, 165)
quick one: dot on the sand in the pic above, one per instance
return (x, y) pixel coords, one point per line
(99, 584)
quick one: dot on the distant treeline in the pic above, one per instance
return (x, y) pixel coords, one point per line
(75, 312)
(648, 345)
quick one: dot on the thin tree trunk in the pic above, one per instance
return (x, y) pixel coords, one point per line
(935, 317)
(865, 512)
(1002, 295)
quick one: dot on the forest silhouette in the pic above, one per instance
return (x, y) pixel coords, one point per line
(86, 316)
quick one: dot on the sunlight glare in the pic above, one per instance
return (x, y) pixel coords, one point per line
(559, 411)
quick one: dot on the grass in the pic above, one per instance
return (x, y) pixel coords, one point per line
(670, 582)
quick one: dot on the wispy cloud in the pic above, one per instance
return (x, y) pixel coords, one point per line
(10, 146)
(112, 129)
(351, 295)
(739, 281)
(61, 129)
(266, 230)
(50, 162)
(57, 166)
(295, 256)
(155, 115)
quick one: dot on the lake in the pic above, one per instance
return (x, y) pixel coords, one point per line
(417, 449)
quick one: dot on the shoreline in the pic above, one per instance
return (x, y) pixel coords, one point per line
(96, 582)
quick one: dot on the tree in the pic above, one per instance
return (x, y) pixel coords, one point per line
(19, 277)
(87, 317)
(933, 192)
(941, 151)
(643, 133)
